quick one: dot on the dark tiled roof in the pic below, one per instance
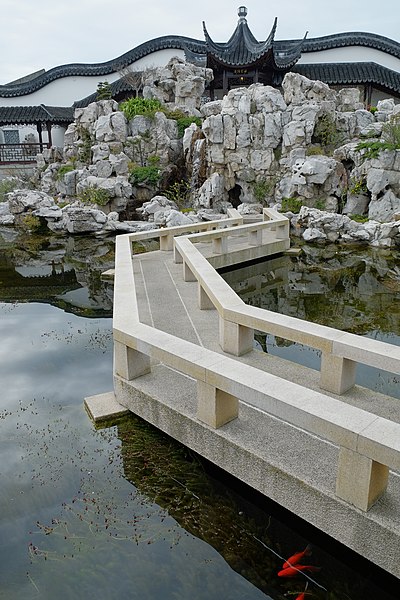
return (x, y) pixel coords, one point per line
(28, 115)
(351, 74)
(101, 69)
(242, 48)
(357, 38)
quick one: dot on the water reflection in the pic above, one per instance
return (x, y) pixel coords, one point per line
(65, 272)
(123, 511)
(350, 288)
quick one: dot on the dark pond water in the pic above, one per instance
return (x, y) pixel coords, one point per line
(122, 511)
(350, 288)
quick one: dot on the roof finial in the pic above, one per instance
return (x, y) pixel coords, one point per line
(242, 12)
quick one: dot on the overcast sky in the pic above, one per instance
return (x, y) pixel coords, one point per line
(37, 34)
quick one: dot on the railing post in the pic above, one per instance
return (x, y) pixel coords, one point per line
(338, 374)
(204, 301)
(220, 245)
(360, 480)
(177, 255)
(255, 237)
(188, 273)
(282, 231)
(215, 407)
(166, 242)
(234, 338)
(130, 363)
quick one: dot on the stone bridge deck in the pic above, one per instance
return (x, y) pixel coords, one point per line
(286, 457)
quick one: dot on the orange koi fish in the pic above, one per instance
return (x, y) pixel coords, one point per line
(301, 596)
(296, 558)
(293, 571)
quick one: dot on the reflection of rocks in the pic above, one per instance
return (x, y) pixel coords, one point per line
(65, 272)
(342, 287)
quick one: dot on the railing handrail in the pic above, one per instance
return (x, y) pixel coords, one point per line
(360, 434)
(321, 337)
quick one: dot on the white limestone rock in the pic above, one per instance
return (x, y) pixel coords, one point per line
(111, 127)
(298, 89)
(384, 209)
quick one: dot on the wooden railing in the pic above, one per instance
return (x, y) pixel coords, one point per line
(369, 444)
(20, 153)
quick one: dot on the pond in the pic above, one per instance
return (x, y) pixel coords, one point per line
(122, 511)
(349, 288)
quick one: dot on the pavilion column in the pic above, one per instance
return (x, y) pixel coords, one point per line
(39, 130)
(225, 83)
(48, 126)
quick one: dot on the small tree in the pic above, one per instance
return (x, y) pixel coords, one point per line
(104, 91)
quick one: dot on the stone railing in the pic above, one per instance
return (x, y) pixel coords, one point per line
(369, 445)
(340, 351)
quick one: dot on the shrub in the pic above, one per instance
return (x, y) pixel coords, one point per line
(358, 186)
(390, 140)
(30, 223)
(178, 192)
(320, 204)
(183, 120)
(140, 106)
(314, 150)
(263, 188)
(149, 174)
(103, 91)
(291, 205)
(359, 218)
(326, 133)
(63, 170)
(93, 195)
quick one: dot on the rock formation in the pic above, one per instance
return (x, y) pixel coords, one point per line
(303, 146)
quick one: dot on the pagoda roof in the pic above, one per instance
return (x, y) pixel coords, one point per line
(242, 48)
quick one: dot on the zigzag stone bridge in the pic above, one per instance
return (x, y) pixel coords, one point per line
(184, 359)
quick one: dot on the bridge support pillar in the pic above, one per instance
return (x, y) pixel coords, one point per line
(215, 407)
(129, 363)
(360, 480)
(235, 339)
(338, 374)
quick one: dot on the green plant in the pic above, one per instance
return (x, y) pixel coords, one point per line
(359, 218)
(140, 106)
(320, 204)
(85, 149)
(30, 223)
(149, 174)
(358, 186)
(94, 195)
(391, 132)
(63, 170)
(103, 91)
(178, 192)
(314, 150)
(390, 140)
(6, 186)
(291, 205)
(263, 188)
(372, 109)
(183, 120)
(326, 133)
